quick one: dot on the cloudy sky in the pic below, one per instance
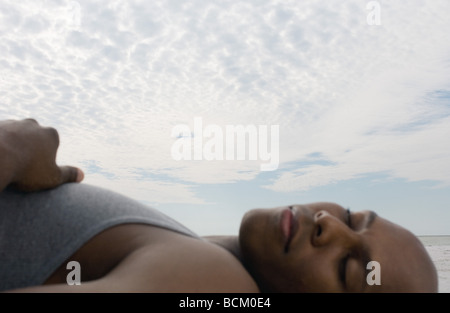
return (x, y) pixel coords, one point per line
(361, 100)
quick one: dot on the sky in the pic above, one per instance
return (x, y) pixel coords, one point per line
(352, 99)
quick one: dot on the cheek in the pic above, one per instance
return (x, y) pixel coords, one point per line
(310, 272)
(319, 277)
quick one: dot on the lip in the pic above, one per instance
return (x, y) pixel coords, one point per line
(289, 226)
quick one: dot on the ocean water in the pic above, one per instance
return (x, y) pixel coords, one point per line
(439, 249)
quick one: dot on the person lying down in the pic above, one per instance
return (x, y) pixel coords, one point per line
(61, 235)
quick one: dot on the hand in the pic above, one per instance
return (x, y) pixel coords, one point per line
(28, 157)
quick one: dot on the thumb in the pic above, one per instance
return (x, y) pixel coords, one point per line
(70, 174)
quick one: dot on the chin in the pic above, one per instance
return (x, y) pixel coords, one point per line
(255, 228)
(251, 237)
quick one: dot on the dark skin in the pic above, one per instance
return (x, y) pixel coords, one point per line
(328, 248)
(28, 157)
(304, 248)
(124, 258)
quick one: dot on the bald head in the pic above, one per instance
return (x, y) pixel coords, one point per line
(406, 264)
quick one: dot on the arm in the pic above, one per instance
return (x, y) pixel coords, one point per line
(28, 157)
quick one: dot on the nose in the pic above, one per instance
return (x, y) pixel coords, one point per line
(331, 230)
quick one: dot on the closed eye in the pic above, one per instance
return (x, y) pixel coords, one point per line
(342, 271)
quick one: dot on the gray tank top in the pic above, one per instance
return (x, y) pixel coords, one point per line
(41, 230)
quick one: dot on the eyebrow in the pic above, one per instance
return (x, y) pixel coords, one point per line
(370, 218)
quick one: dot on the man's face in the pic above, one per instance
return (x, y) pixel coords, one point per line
(322, 247)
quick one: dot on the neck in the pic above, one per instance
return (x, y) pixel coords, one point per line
(229, 243)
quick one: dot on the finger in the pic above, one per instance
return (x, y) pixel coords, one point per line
(70, 174)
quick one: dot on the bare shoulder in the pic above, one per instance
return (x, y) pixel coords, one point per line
(172, 263)
(182, 265)
(176, 263)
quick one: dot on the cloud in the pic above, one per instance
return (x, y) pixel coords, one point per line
(115, 77)
(152, 192)
(421, 156)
